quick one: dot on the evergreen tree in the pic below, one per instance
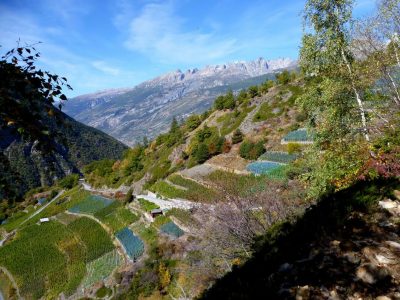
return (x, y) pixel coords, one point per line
(202, 153)
(237, 137)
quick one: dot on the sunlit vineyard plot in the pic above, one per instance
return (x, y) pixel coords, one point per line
(41, 257)
(50, 258)
(299, 136)
(96, 239)
(91, 204)
(262, 167)
(278, 156)
(101, 268)
(115, 216)
(133, 245)
(172, 229)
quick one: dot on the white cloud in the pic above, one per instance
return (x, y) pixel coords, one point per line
(105, 68)
(160, 34)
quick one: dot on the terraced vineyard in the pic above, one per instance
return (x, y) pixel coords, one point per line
(193, 191)
(116, 216)
(101, 268)
(262, 167)
(298, 136)
(278, 156)
(133, 245)
(91, 204)
(96, 239)
(172, 229)
(50, 258)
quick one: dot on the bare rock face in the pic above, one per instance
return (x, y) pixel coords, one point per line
(148, 108)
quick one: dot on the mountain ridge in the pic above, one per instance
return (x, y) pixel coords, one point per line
(128, 114)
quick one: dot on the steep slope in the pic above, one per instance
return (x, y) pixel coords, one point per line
(24, 164)
(147, 109)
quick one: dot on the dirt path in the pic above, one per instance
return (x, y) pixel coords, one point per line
(43, 207)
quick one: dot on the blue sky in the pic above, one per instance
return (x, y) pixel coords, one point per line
(101, 44)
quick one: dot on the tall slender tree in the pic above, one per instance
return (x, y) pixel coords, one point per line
(326, 52)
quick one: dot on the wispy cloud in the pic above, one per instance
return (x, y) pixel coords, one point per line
(159, 33)
(105, 68)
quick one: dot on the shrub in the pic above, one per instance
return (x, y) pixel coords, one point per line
(237, 137)
(69, 181)
(193, 122)
(293, 148)
(202, 153)
(252, 91)
(250, 150)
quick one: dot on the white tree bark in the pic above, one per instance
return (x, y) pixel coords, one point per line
(358, 98)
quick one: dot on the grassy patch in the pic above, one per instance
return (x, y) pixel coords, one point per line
(116, 216)
(194, 191)
(41, 258)
(147, 205)
(232, 121)
(96, 239)
(182, 215)
(102, 267)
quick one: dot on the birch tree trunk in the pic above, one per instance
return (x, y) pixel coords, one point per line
(359, 100)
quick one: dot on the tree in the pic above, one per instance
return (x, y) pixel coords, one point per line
(219, 103)
(242, 96)
(174, 126)
(27, 94)
(202, 153)
(252, 91)
(193, 122)
(250, 150)
(229, 100)
(326, 52)
(283, 77)
(237, 137)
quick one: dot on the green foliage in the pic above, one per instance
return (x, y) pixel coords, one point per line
(147, 205)
(191, 190)
(115, 216)
(192, 122)
(97, 241)
(103, 292)
(49, 258)
(250, 150)
(237, 137)
(69, 181)
(283, 77)
(293, 148)
(233, 120)
(102, 267)
(225, 102)
(202, 154)
(252, 91)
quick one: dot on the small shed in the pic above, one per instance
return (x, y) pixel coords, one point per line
(44, 220)
(156, 212)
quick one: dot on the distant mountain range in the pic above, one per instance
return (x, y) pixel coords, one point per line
(129, 114)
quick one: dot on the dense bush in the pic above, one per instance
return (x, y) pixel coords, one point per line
(193, 122)
(69, 181)
(237, 137)
(250, 150)
(225, 102)
(293, 148)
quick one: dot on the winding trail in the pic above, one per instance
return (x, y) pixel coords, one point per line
(43, 207)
